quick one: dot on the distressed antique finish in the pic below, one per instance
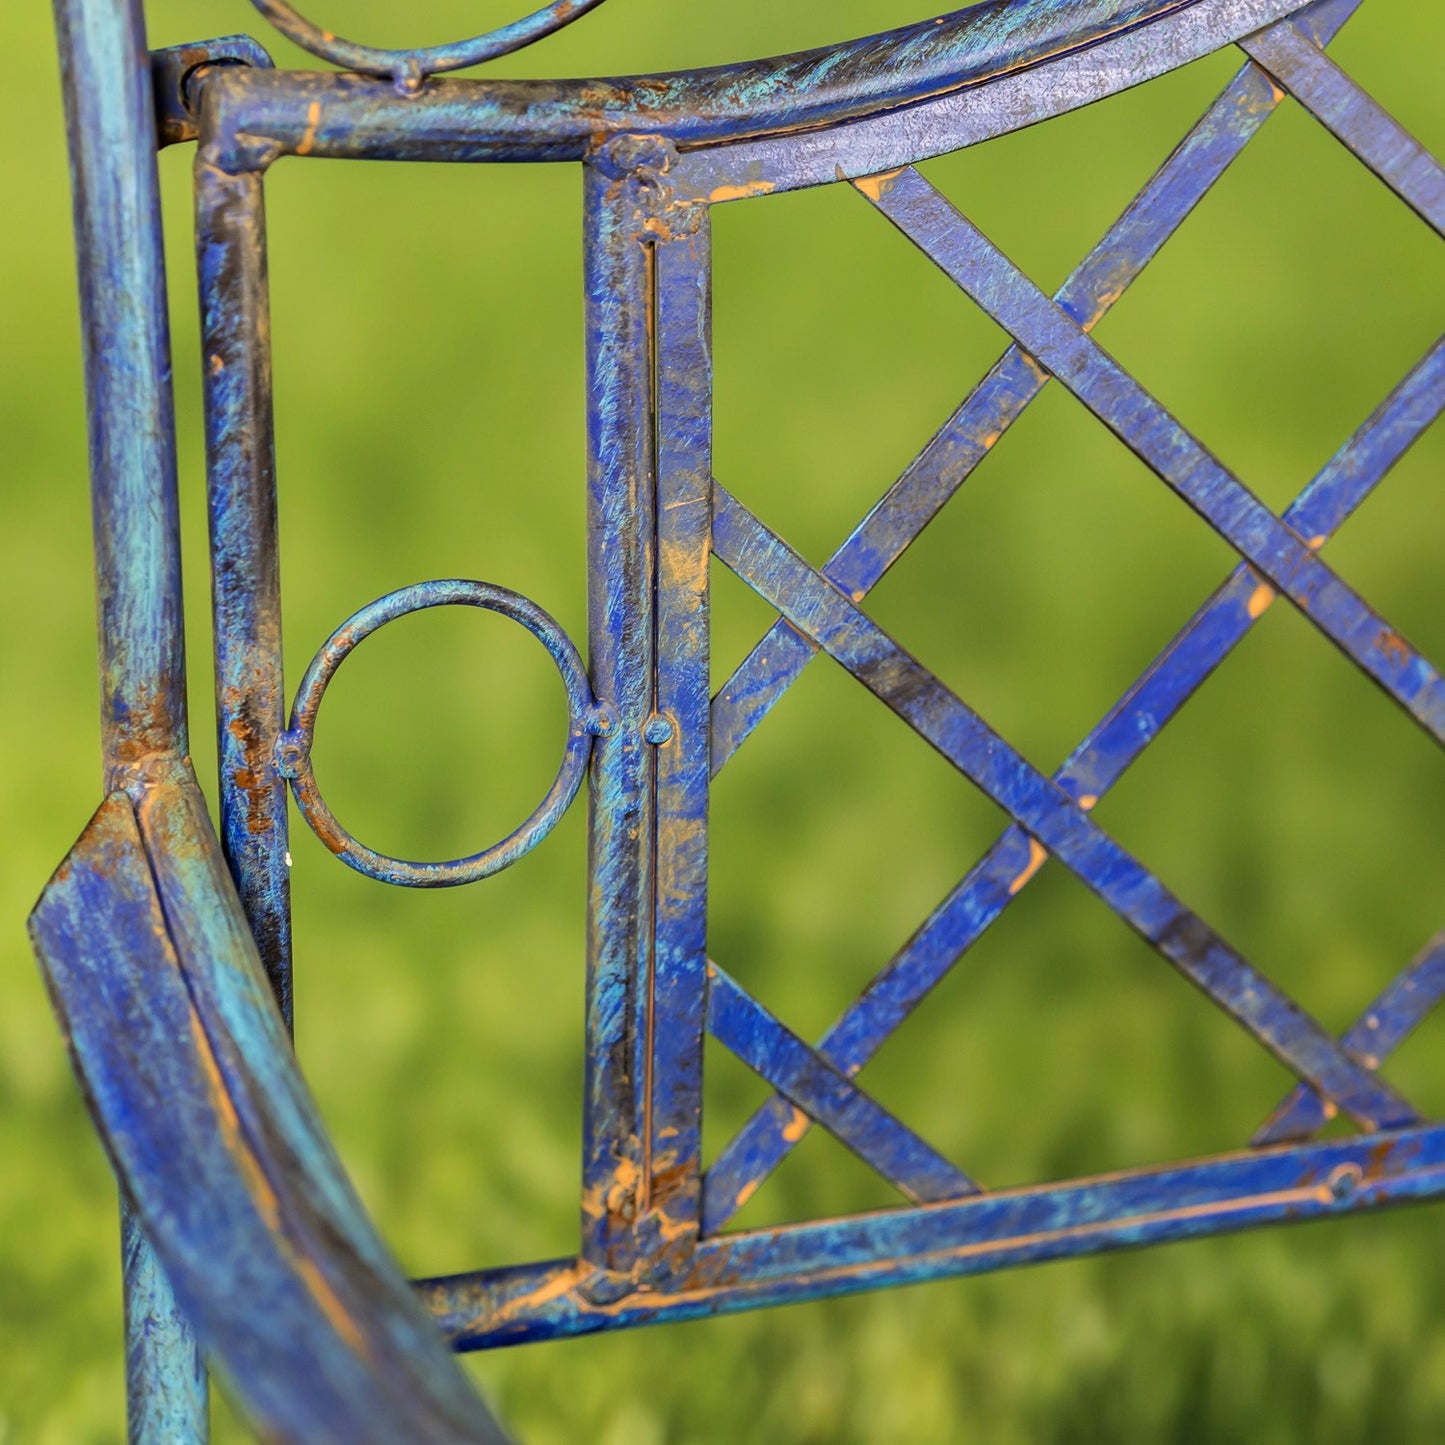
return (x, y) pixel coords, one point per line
(166, 943)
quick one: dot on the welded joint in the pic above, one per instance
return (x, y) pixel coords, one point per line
(292, 751)
(666, 1247)
(600, 720)
(175, 72)
(643, 159)
(641, 167)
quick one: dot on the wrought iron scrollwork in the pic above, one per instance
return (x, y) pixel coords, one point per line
(410, 67)
(586, 720)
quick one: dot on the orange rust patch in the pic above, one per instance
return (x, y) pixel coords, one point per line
(534, 1299)
(745, 1193)
(874, 186)
(1394, 646)
(257, 789)
(313, 120)
(742, 192)
(1260, 599)
(1089, 801)
(1317, 542)
(796, 1127)
(1037, 854)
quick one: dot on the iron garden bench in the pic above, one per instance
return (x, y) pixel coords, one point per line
(165, 938)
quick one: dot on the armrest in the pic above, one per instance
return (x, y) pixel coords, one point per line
(191, 1077)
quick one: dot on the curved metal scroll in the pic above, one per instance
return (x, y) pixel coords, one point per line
(411, 67)
(294, 747)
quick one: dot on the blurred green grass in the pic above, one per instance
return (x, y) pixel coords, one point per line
(429, 413)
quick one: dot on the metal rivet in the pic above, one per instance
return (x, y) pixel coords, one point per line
(1345, 1180)
(290, 755)
(657, 729)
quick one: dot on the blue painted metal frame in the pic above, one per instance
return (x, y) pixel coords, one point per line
(657, 153)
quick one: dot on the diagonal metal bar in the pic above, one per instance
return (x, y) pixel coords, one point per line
(1390, 1019)
(993, 282)
(1353, 117)
(1090, 771)
(1054, 820)
(975, 427)
(812, 1084)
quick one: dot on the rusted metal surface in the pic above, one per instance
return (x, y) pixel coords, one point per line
(175, 71)
(245, 575)
(657, 153)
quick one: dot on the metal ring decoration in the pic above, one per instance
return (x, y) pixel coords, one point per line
(294, 746)
(411, 67)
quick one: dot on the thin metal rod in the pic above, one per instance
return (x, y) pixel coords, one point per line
(245, 572)
(923, 90)
(681, 730)
(110, 124)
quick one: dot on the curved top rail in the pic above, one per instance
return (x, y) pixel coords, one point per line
(341, 115)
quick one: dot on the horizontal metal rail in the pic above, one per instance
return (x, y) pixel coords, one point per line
(780, 123)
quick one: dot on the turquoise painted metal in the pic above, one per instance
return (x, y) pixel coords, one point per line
(167, 944)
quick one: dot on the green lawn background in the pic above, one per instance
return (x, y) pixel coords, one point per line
(430, 423)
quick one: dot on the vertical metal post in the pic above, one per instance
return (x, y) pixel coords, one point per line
(245, 568)
(649, 545)
(621, 499)
(682, 379)
(110, 124)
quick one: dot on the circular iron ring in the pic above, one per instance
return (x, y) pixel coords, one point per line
(411, 67)
(294, 746)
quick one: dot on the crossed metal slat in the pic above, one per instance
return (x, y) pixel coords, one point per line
(989, 278)
(1094, 767)
(948, 460)
(1354, 117)
(1377, 1033)
(826, 1094)
(786, 581)
(1056, 333)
